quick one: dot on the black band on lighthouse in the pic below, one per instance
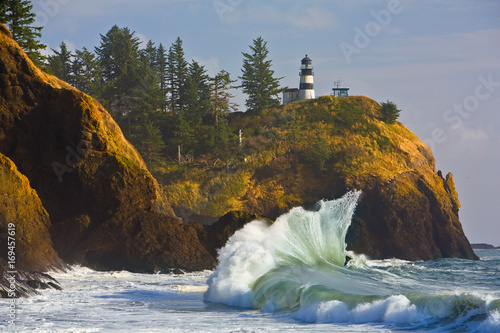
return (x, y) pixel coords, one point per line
(306, 86)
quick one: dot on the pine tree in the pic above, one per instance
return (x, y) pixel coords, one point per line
(196, 93)
(86, 72)
(107, 56)
(60, 63)
(389, 111)
(258, 80)
(224, 142)
(148, 140)
(177, 73)
(119, 58)
(149, 55)
(147, 95)
(161, 59)
(220, 98)
(184, 134)
(17, 15)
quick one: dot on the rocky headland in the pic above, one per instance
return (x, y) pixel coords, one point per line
(79, 181)
(298, 154)
(79, 193)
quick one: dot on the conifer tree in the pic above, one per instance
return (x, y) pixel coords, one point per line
(177, 73)
(119, 57)
(106, 54)
(220, 98)
(258, 80)
(161, 59)
(147, 95)
(148, 140)
(223, 141)
(389, 111)
(86, 73)
(196, 93)
(59, 64)
(149, 55)
(17, 15)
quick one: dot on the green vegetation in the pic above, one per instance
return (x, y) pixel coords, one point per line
(211, 160)
(17, 15)
(258, 79)
(389, 111)
(291, 153)
(169, 108)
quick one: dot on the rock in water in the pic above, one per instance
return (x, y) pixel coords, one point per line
(104, 205)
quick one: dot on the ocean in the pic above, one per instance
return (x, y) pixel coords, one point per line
(285, 277)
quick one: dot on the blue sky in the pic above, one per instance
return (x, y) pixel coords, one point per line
(439, 61)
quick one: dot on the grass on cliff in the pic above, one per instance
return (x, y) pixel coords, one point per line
(290, 148)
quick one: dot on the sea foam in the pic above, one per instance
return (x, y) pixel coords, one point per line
(297, 264)
(297, 239)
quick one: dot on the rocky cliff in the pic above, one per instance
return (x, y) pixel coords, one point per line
(25, 242)
(298, 154)
(104, 206)
(77, 190)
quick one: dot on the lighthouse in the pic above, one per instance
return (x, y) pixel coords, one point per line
(306, 87)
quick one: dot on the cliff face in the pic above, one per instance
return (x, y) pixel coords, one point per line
(298, 154)
(25, 243)
(23, 217)
(84, 192)
(105, 207)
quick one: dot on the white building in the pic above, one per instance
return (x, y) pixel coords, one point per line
(291, 94)
(306, 87)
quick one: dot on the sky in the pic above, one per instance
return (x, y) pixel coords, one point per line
(439, 61)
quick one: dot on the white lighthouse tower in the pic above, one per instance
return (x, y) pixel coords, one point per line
(306, 87)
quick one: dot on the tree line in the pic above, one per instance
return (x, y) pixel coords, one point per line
(162, 102)
(166, 105)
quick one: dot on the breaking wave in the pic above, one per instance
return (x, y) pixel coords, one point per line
(297, 265)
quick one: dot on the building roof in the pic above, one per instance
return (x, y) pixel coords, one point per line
(291, 89)
(306, 60)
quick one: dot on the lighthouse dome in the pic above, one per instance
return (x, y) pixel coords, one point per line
(306, 60)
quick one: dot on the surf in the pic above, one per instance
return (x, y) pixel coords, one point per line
(297, 264)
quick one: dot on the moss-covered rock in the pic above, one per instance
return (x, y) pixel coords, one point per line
(105, 208)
